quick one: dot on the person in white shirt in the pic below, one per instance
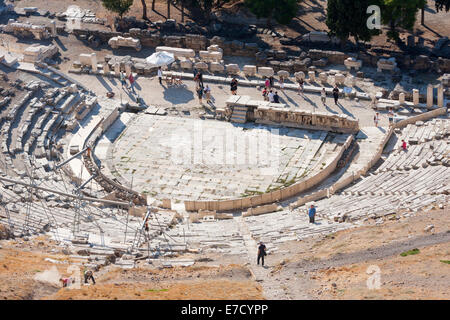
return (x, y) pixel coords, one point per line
(160, 75)
(271, 94)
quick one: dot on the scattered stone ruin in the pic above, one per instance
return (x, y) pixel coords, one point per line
(116, 42)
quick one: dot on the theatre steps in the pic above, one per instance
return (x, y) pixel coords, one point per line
(239, 114)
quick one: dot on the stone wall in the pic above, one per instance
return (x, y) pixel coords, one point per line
(275, 113)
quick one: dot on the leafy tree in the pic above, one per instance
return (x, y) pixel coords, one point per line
(442, 4)
(205, 7)
(118, 6)
(283, 11)
(348, 18)
(400, 14)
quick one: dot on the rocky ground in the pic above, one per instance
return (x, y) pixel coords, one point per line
(337, 266)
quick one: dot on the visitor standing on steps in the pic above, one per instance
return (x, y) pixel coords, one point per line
(261, 253)
(88, 275)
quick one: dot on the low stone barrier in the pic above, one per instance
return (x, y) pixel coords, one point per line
(421, 117)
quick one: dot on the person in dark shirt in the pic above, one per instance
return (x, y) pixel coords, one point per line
(200, 78)
(311, 214)
(276, 97)
(271, 80)
(261, 253)
(233, 86)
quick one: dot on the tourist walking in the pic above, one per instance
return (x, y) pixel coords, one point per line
(264, 94)
(208, 94)
(160, 75)
(147, 229)
(261, 253)
(132, 81)
(391, 116)
(336, 95)
(123, 80)
(200, 94)
(270, 96)
(376, 119)
(281, 83)
(233, 86)
(312, 214)
(66, 282)
(88, 275)
(404, 146)
(267, 83)
(323, 95)
(300, 86)
(276, 97)
(197, 80)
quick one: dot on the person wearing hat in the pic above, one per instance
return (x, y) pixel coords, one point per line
(261, 253)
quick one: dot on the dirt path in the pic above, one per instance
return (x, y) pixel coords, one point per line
(394, 248)
(271, 287)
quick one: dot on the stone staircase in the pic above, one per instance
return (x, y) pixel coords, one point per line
(239, 114)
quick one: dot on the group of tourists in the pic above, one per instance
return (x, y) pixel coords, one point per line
(131, 80)
(270, 95)
(311, 212)
(200, 88)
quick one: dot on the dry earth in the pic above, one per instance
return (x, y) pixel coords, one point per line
(331, 267)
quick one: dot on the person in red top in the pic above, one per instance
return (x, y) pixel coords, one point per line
(404, 145)
(131, 79)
